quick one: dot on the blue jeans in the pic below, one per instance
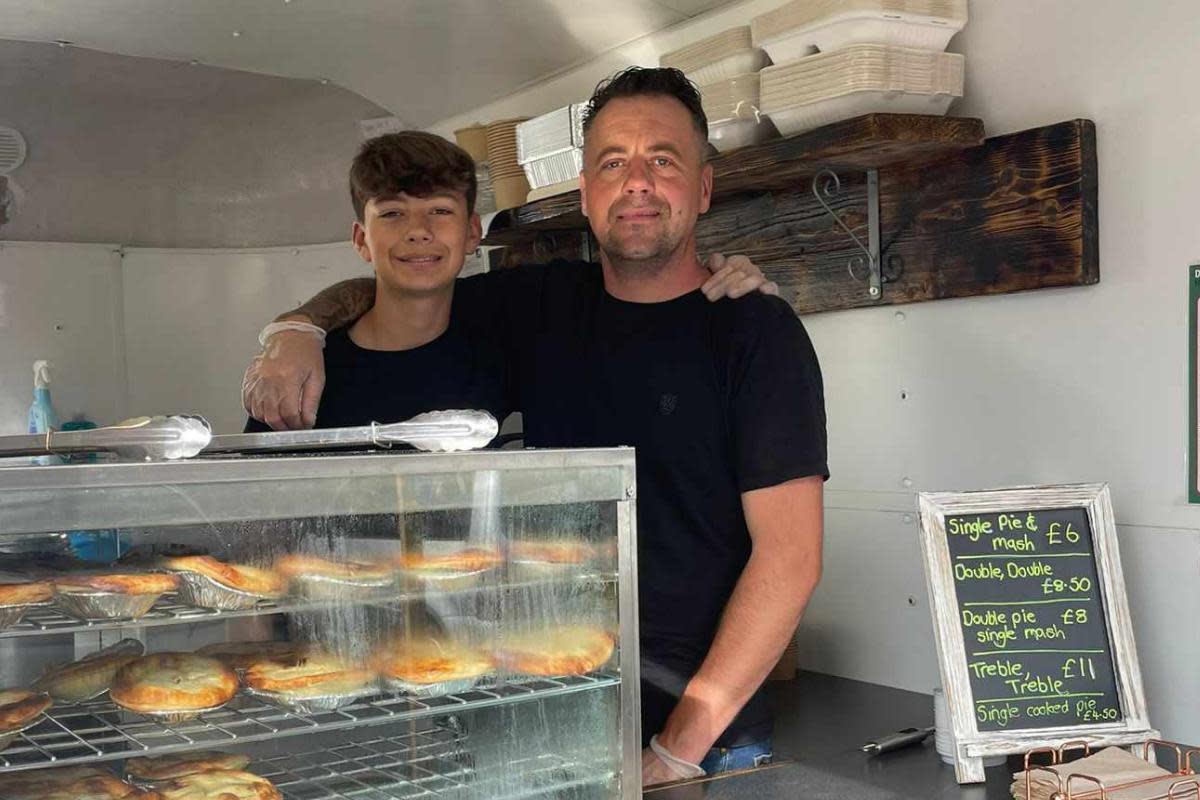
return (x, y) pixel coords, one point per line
(726, 759)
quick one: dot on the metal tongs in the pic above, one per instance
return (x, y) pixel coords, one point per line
(434, 431)
(139, 439)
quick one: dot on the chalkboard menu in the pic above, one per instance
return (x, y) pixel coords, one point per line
(1034, 637)
(1032, 617)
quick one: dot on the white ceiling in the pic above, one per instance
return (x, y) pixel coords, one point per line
(424, 60)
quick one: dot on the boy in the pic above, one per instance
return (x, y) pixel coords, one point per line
(414, 202)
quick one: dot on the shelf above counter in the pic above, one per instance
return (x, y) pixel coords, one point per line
(956, 215)
(100, 731)
(431, 761)
(869, 142)
(48, 619)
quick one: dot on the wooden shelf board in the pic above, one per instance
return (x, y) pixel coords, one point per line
(874, 140)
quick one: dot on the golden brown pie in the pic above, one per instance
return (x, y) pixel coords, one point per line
(242, 655)
(241, 577)
(27, 593)
(220, 784)
(97, 787)
(469, 560)
(316, 674)
(20, 707)
(162, 768)
(173, 682)
(567, 650)
(429, 660)
(118, 583)
(34, 784)
(92, 675)
(559, 551)
(297, 565)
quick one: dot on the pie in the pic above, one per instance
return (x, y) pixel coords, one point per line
(162, 768)
(315, 674)
(20, 707)
(242, 655)
(24, 594)
(96, 787)
(173, 682)
(559, 551)
(469, 560)
(92, 675)
(302, 566)
(240, 577)
(220, 784)
(118, 583)
(34, 784)
(569, 650)
(428, 661)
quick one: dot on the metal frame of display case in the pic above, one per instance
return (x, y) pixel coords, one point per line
(51, 499)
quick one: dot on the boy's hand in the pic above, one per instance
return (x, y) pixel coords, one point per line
(735, 276)
(282, 386)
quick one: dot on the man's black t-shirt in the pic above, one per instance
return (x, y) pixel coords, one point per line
(454, 371)
(718, 398)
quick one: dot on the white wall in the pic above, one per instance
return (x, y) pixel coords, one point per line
(146, 331)
(192, 319)
(62, 304)
(1053, 386)
(155, 153)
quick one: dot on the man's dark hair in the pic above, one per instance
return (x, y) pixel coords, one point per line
(640, 81)
(413, 162)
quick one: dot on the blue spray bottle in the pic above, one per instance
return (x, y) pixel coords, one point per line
(42, 417)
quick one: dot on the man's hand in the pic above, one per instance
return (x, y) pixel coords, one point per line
(655, 770)
(282, 386)
(735, 276)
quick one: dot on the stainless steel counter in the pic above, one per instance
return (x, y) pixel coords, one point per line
(820, 723)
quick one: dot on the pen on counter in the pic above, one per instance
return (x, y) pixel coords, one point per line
(894, 741)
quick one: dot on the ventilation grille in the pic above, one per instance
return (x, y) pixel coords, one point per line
(12, 150)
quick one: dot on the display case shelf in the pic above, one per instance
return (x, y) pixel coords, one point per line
(434, 762)
(431, 761)
(168, 611)
(100, 731)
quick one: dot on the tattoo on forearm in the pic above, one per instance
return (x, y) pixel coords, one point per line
(339, 305)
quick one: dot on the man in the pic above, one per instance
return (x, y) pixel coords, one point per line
(723, 402)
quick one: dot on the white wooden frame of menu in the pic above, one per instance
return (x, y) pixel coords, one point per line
(973, 745)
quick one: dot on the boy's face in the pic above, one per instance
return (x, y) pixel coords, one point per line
(417, 244)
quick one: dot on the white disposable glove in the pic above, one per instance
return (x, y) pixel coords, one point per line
(659, 765)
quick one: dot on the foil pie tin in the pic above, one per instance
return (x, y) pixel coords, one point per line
(528, 570)
(10, 615)
(445, 580)
(8, 737)
(311, 704)
(177, 715)
(202, 591)
(321, 587)
(105, 605)
(426, 691)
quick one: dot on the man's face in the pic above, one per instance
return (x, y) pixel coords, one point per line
(417, 244)
(644, 179)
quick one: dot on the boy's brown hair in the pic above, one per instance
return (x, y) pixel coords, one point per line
(413, 162)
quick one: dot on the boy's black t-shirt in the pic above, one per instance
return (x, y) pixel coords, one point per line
(718, 398)
(454, 371)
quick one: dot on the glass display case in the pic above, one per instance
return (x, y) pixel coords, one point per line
(343, 626)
